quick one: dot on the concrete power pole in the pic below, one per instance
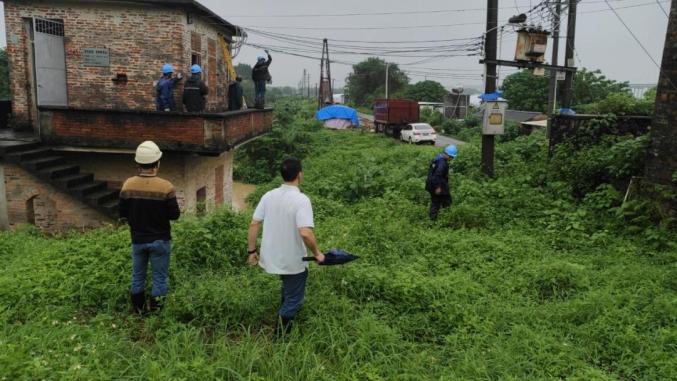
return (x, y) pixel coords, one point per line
(552, 92)
(569, 55)
(490, 40)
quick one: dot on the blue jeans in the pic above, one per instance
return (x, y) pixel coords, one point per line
(260, 92)
(293, 292)
(158, 253)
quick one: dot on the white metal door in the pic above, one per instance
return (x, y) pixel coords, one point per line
(50, 63)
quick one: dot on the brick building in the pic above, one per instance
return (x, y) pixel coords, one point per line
(82, 79)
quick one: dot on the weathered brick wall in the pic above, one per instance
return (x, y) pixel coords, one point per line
(247, 126)
(140, 40)
(31, 200)
(211, 133)
(122, 130)
(662, 163)
(203, 38)
(187, 173)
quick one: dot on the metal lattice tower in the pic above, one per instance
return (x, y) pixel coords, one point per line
(326, 93)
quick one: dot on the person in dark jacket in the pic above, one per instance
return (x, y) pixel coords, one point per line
(149, 203)
(235, 94)
(261, 75)
(195, 91)
(164, 90)
(437, 183)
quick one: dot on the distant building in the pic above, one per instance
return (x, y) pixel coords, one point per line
(339, 99)
(82, 77)
(434, 106)
(456, 106)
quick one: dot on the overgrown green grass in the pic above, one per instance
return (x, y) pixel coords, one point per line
(517, 281)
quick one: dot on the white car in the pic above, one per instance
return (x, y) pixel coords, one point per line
(418, 133)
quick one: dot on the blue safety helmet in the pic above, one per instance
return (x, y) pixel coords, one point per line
(260, 58)
(451, 150)
(196, 69)
(167, 69)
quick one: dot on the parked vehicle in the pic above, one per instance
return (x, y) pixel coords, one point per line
(418, 133)
(392, 115)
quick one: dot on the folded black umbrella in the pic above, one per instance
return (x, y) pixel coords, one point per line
(334, 257)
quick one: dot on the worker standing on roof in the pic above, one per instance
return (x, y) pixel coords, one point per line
(164, 90)
(261, 75)
(235, 94)
(195, 91)
(149, 203)
(437, 183)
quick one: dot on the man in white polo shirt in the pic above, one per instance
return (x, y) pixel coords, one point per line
(287, 218)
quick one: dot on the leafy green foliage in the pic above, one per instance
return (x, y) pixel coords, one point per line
(258, 161)
(516, 281)
(367, 81)
(425, 91)
(620, 104)
(527, 92)
(432, 117)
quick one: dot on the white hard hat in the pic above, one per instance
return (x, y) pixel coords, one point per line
(147, 153)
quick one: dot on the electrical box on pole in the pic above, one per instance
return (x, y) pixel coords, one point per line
(493, 122)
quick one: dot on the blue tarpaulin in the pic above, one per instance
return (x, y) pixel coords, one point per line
(491, 96)
(338, 112)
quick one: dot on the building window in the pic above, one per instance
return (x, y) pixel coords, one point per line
(189, 18)
(195, 59)
(53, 27)
(201, 201)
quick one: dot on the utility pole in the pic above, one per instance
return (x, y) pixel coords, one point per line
(326, 94)
(569, 55)
(387, 70)
(490, 40)
(308, 83)
(552, 93)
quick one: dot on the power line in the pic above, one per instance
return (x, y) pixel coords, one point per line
(632, 34)
(369, 27)
(662, 9)
(411, 12)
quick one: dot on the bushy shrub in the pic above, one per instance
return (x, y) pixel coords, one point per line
(622, 103)
(258, 161)
(432, 117)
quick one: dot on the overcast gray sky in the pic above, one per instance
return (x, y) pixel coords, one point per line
(602, 41)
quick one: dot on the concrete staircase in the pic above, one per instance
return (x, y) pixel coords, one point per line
(53, 168)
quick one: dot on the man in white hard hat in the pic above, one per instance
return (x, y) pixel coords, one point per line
(149, 203)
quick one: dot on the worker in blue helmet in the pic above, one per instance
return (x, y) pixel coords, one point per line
(195, 91)
(164, 90)
(261, 75)
(437, 183)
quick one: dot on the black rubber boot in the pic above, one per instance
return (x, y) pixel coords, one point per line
(156, 303)
(283, 327)
(138, 302)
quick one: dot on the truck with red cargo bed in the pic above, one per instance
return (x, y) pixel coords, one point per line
(392, 115)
